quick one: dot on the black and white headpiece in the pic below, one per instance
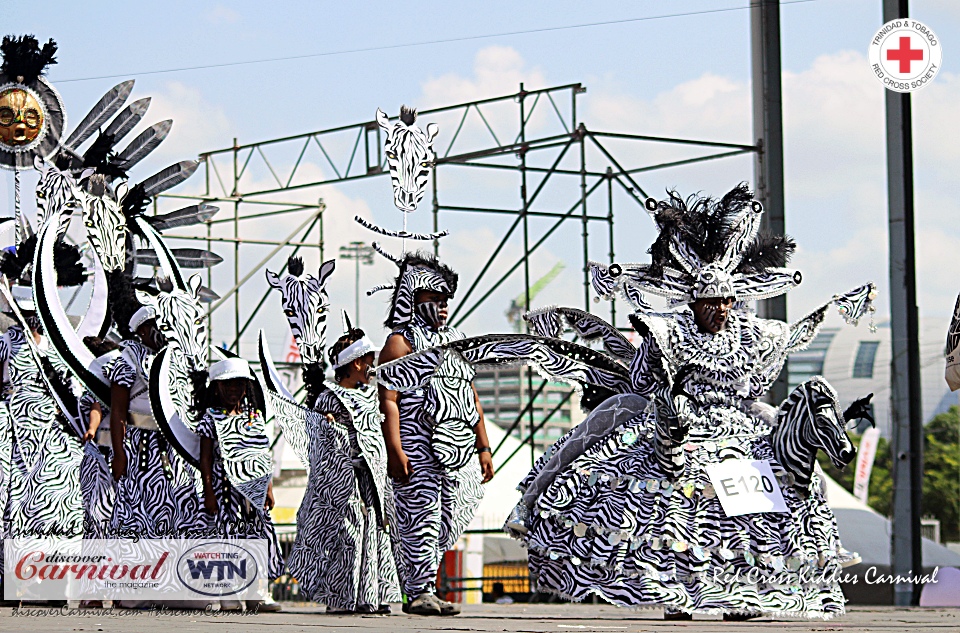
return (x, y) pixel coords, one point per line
(706, 248)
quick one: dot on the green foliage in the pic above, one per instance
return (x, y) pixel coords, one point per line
(941, 474)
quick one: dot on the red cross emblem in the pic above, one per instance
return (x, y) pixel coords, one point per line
(905, 55)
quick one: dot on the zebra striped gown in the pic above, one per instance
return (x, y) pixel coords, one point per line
(241, 454)
(615, 524)
(441, 497)
(364, 572)
(157, 497)
(43, 483)
(96, 480)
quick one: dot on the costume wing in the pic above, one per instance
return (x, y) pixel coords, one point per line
(57, 326)
(593, 374)
(297, 423)
(166, 376)
(589, 327)
(64, 397)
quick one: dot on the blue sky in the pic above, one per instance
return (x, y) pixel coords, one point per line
(682, 76)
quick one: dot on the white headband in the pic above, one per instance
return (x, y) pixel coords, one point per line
(354, 351)
(141, 316)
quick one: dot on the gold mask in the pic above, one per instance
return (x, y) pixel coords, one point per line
(21, 118)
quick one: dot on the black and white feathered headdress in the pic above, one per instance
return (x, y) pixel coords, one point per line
(418, 271)
(706, 248)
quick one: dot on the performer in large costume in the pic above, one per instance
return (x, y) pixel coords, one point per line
(155, 494)
(236, 463)
(432, 435)
(365, 518)
(623, 506)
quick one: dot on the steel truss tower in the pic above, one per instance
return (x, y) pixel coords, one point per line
(547, 147)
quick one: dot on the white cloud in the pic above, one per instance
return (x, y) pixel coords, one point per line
(221, 14)
(835, 167)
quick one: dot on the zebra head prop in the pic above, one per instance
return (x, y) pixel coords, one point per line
(105, 222)
(181, 319)
(306, 304)
(810, 419)
(410, 156)
(57, 192)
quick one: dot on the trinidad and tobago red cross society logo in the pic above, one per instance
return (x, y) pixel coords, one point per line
(905, 55)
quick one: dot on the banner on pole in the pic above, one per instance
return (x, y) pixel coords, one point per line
(865, 456)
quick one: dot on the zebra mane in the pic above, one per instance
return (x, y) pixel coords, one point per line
(408, 115)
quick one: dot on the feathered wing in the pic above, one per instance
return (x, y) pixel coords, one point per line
(593, 374)
(144, 143)
(188, 216)
(852, 305)
(109, 103)
(589, 327)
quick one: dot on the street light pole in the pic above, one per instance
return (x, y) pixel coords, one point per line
(360, 253)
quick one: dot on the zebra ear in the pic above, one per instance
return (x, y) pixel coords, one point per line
(432, 130)
(146, 299)
(326, 270)
(383, 120)
(193, 284)
(273, 279)
(121, 192)
(38, 163)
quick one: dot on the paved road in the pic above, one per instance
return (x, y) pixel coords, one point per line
(564, 618)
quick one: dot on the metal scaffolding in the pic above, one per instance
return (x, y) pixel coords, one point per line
(251, 180)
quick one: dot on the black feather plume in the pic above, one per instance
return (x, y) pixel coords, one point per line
(766, 251)
(23, 57)
(67, 262)
(123, 301)
(295, 266)
(14, 262)
(102, 158)
(313, 374)
(135, 203)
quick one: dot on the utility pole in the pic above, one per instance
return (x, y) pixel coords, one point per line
(768, 133)
(360, 253)
(906, 404)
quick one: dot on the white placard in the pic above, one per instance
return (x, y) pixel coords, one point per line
(746, 487)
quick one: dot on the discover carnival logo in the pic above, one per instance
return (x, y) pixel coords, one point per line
(217, 569)
(122, 569)
(905, 55)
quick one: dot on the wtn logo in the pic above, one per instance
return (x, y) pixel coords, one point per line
(224, 568)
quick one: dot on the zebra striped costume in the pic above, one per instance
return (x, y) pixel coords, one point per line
(438, 502)
(364, 574)
(617, 523)
(241, 455)
(96, 480)
(158, 496)
(43, 475)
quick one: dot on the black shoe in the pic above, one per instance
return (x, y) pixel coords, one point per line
(384, 609)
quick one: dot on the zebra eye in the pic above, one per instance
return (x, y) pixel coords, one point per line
(199, 321)
(290, 313)
(424, 164)
(321, 310)
(41, 195)
(391, 156)
(89, 223)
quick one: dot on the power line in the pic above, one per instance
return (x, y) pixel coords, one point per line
(368, 49)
